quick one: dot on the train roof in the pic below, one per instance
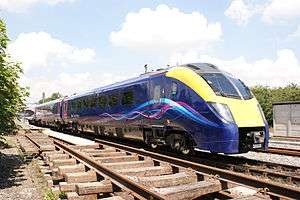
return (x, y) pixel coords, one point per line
(127, 82)
(202, 67)
(197, 67)
(48, 103)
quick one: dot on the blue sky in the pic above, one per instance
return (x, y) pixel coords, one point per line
(73, 45)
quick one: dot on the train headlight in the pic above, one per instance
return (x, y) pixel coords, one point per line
(223, 110)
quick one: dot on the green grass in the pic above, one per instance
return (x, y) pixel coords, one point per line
(62, 195)
(50, 195)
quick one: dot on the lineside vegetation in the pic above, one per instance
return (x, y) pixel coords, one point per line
(267, 95)
(54, 96)
(12, 95)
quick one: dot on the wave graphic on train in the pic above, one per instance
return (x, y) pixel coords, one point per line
(165, 105)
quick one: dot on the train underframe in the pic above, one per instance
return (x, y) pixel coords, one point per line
(158, 135)
(154, 136)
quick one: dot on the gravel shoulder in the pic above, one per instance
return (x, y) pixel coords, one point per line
(19, 179)
(275, 158)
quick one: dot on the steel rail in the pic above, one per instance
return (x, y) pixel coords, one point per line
(33, 141)
(286, 138)
(282, 151)
(275, 189)
(140, 190)
(269, 170)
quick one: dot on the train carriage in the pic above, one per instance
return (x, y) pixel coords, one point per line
(183, 107)
(47, 114)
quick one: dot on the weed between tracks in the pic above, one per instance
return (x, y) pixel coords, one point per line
(50, 195)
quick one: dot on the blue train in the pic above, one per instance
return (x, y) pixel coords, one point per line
(184, 107)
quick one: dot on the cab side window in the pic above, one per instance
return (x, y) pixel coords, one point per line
(174, 89)
(156, 94)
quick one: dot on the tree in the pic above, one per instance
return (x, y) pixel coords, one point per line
(266, 96)
(12, 95)
(54, 96)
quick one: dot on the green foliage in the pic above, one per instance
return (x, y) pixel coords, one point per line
(54, 96)
(50, 195)
(62, 195)
(12, 95)
(266, 96)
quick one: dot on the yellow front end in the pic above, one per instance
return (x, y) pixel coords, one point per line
(245, 112)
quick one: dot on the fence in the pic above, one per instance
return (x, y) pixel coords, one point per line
(286, 118)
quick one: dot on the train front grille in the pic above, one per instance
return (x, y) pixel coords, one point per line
(251, 138)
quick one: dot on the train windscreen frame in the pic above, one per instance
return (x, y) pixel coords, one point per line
(227, 86)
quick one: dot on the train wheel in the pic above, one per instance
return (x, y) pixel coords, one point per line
(75, 128)
(186, 150)
(180, 143)
(187, 147)
(154, 145)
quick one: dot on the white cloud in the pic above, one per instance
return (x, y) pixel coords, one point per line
(23, 5)
(241, 12)
(295, 34)
(281, 10)
(67, 84)
(271, 11)
(283, 70)
(166, 28)
(40, 49)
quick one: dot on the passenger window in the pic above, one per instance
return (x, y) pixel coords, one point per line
(85, 103)
(88, 102)
(82, 101)
(102, 101)
(70, 106)
(78, 104)
(127, 98)
(113, 100)
(74, 106)
(93, 101)
(174, 89)
(156, 94)
(54, 109)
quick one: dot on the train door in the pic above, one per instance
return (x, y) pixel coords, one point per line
(64, 109)
(157, 94)
(157, 89)
(171, 90)
(154, 133)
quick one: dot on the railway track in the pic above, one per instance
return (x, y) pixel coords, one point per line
(274, 175)
(125, 174)
(276, 189)
(287, 138)
(268, 171)
(284, 151)
(278, 173)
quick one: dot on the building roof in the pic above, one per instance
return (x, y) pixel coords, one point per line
(286, 102)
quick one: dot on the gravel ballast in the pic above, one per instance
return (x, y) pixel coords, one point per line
(18, 179)
(275, 158)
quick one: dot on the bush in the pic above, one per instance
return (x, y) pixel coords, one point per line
(12, 95)
(266, 96)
